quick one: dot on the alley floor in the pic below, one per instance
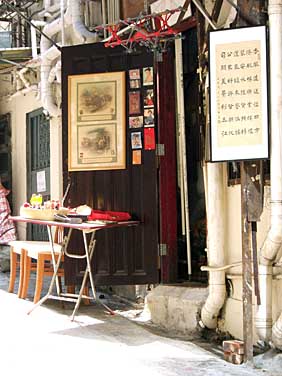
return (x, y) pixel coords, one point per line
(47, 342)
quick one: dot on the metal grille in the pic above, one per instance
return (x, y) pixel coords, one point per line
(40, 141)
(14, 30)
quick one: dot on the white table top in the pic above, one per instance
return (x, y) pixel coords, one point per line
(79, 226)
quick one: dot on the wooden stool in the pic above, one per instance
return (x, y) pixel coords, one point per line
(28, 250)
(16, 251)
(43, 267)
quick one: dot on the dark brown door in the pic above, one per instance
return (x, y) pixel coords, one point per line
(38, 164)
(122, 256)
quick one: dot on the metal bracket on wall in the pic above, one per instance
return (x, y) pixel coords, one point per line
(162, 249)
(160, 150)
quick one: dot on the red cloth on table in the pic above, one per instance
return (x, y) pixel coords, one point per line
(108, 215)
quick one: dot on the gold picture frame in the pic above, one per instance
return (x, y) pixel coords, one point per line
(96, 121)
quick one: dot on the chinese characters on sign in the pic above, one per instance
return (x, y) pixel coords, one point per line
(239, 121)
(239, 94)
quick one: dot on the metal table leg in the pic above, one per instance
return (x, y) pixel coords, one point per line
(76, 298)
(89, 251)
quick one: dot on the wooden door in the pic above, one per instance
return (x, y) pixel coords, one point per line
(38, 164)
(122, 256)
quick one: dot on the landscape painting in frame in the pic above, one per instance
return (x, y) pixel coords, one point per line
(96, 121)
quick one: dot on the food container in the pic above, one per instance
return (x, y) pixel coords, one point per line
(42, 213)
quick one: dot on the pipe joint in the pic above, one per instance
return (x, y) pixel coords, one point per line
(212, 306)
(277, 333)
(215, 300)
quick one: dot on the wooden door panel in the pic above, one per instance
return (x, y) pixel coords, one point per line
(122, 256)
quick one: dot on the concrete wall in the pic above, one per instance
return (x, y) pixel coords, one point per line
(18, 107)
(232, 314)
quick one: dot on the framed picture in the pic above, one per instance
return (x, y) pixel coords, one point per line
(238, 94)
(148, 76)
(134, 74)
(136, 157)
(134, 102)
(96, 121)
(148, 98)
(149, 118)
(136, 140)
(134, 84)
(135, 121)
(149, 139)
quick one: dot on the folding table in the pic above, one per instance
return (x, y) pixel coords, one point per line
(89, 247)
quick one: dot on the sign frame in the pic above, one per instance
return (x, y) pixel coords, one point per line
(244, 50)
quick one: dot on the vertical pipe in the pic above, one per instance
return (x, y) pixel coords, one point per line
(181, 122)
(63, 22)
(275, 34)
(273, 239)
(263, 319)
(216, 252)
(47, 4)
(214, 196)
(104, 16)
(33, 42)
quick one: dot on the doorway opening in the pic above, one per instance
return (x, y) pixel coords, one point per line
(6, 155)
(38, 164)
(195, 181)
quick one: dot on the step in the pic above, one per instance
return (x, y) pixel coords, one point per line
(176, 308)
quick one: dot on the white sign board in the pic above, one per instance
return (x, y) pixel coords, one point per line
(41, 181)
(238, 94)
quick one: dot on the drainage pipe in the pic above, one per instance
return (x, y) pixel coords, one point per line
(263, 318)
(46, 93)
(79, 28)
(182, 151)
(215, 249)
(48, 56)
(47, 4)
(273, 239)
(55, 73)
(21, 75)
(33, 42)
(62, 10)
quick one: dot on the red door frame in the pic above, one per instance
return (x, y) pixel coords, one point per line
(167, 168)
